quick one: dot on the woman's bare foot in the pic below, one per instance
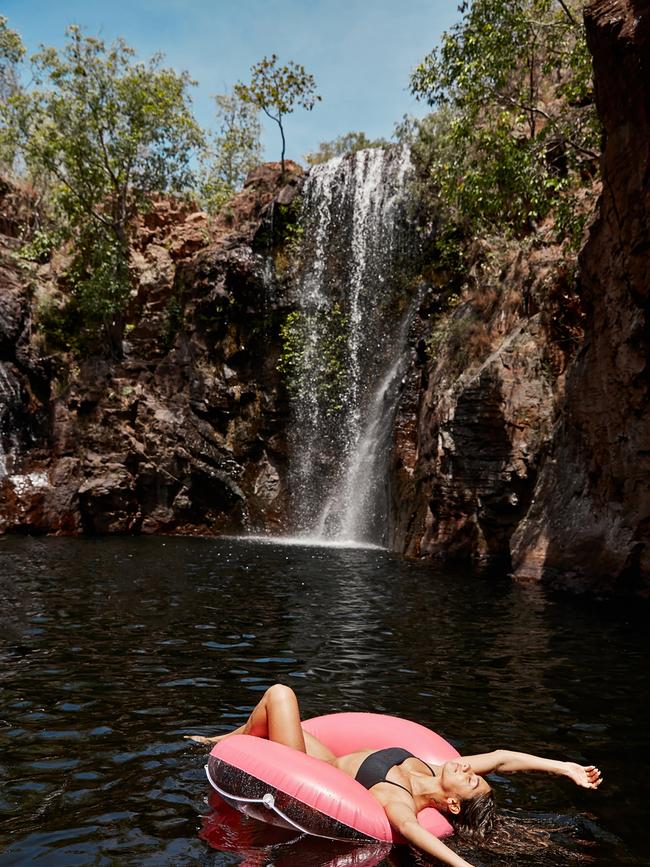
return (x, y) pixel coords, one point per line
(214, 740)
(199, 739)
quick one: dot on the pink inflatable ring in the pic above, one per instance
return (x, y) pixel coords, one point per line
(282, 786)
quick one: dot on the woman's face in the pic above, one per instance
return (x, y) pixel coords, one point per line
(459, 780)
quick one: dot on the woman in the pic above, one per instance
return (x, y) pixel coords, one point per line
(404, 784)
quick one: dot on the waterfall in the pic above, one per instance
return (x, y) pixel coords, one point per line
(344, 344)
(10, 402)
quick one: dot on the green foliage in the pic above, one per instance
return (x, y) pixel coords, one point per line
(345, 144)
(278, 90)
(328, 374)
(292, 335)
(12, 52)
(281, 235)
(508, 183)
(40, 246)
(173, 320)
(515, 127)
(446, 257)
(107, 132)
(288, 234)
(100, 277)
(232, 152)
(99, 285)
(61, 327)
(570, 219)
(294, 233)
(12, 49)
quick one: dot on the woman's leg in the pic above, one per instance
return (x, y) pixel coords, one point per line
(317, 748)
(276, 717)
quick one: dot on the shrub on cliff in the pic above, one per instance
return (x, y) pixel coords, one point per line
(348, 143)
(515, 131)
(12, 51)
(232, 152)
(105, 132)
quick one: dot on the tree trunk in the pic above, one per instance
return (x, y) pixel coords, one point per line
(283, 149)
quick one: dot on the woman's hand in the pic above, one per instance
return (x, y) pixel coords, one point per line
(509, 762)
(586, 776)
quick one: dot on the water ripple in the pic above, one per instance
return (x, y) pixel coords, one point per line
(107, 660)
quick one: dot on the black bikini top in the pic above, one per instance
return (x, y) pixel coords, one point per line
(374, 768)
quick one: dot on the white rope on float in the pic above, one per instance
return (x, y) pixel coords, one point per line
(268, 800)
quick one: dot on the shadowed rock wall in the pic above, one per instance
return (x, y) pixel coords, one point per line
(185, 433)
(590, 523)
(525, 461)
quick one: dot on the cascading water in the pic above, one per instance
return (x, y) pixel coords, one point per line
(346, 343)
(10, 400)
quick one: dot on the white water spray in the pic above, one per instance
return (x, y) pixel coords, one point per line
(354, 316)
(10, 399)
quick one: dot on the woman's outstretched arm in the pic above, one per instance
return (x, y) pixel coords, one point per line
(404, 820)
(509, 762)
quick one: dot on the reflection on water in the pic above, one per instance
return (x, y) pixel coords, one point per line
(112, 650)
(227, 830)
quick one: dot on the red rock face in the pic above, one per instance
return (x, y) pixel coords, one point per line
(590, 524)
(185, 433)
(547, 476)
(478, 438)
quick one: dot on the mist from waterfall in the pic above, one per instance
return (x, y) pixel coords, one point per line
(10, 401)
(354, 307)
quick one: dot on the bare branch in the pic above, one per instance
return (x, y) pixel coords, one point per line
(568, 13)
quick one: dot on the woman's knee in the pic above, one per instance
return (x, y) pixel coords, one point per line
(279, 694)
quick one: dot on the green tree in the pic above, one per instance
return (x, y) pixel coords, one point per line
(109, 132)
(520, 126)
(345, 144)
(232, 152)
(12, 52)
(278, 90)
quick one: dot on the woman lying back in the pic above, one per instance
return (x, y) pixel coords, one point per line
(404, 784)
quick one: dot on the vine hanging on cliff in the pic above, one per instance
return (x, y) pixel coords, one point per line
(316, 367)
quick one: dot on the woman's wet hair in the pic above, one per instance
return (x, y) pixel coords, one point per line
(479, 824)
(477, 816)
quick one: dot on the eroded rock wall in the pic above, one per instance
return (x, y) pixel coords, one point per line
(24, 374)
(476, 415)
(533, 455)
(590, 523)
(185, 433)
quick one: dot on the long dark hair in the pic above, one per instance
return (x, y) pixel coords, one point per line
(477, 817)
(479, 824)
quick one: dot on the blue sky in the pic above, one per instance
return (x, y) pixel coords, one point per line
(360, 51)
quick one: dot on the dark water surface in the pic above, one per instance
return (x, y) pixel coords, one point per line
(112, 650)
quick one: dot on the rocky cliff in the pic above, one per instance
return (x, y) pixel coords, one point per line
(185, 433)
(590, 523)
(476, 417)
(24, 373)
(528, 445)
(522, 441)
